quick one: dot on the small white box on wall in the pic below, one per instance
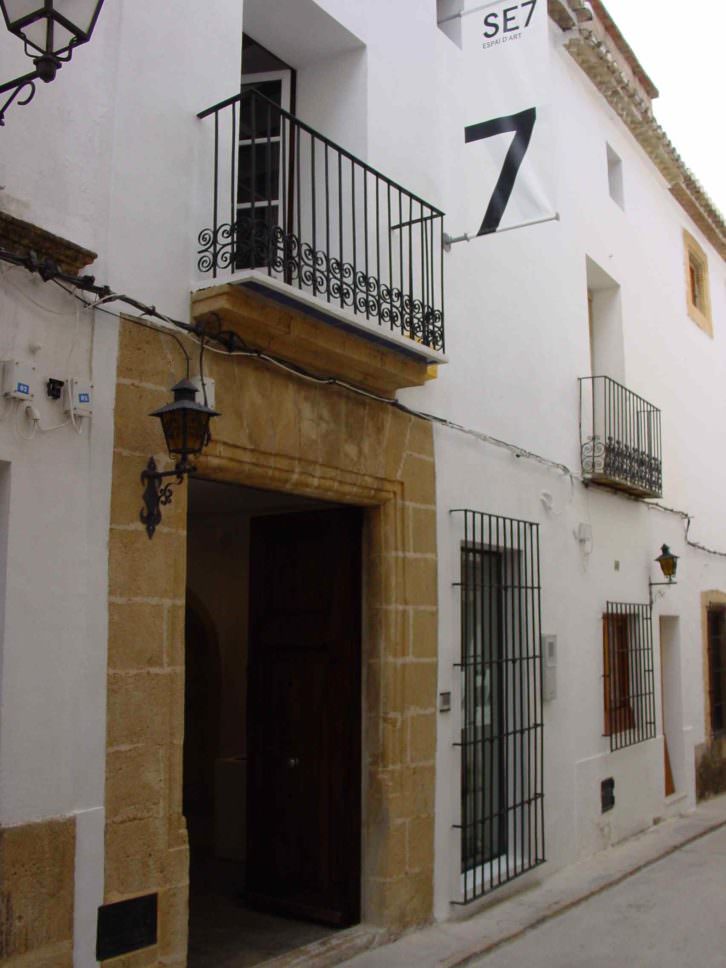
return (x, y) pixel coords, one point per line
(18, 379)
(549, 667)
(79, 398)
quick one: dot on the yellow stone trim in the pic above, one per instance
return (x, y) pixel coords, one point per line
(22, 238)
(37, 871)
(693, 252)
(285, 434)
(708, 599)
(316, 345)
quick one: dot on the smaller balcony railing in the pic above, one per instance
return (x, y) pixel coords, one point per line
(620, 438)
(289, 203)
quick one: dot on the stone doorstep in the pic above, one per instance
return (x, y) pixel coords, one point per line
(333, 950)
(453, 944)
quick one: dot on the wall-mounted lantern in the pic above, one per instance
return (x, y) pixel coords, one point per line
(186, 430)
(668, 565)
(49, 30)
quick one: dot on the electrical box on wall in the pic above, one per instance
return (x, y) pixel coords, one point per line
(17, 380)
(79, 398)
(549, 667)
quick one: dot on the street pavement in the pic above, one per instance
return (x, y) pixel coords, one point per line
(658, 899)
(672, 914)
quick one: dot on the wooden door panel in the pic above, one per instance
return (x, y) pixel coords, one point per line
(304, 714)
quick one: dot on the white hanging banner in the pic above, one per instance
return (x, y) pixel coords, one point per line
(509, 153)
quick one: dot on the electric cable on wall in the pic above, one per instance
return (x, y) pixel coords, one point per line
(231, 344)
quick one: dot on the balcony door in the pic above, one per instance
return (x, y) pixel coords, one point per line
(265, 153)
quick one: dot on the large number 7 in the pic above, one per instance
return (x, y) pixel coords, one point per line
(522, 124)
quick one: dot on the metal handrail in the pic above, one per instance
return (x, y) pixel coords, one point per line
(237, 98)
(620, 437)
(291, 203)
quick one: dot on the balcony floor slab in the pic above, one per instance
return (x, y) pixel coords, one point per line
(295, 326)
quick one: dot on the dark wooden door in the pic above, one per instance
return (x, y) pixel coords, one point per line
(304, 715)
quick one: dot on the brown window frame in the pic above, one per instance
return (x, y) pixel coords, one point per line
(698, 290)
(616, 678)
(628, 674)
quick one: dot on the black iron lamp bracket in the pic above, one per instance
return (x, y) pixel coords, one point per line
(46, 68)
(655, 584)
(157, 494)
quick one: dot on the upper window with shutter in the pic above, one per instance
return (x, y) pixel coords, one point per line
(698, 294)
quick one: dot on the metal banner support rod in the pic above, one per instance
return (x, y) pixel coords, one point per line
(451, 240)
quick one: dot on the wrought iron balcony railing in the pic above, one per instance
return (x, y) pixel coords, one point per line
(290, 203)
(620, 438)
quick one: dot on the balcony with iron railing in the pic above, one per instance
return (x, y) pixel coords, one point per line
(620, 438)
(298, 218)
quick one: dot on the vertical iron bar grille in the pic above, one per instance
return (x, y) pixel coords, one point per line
(620, 438)
(502, 805)
(628, 676)
(309, 213)
(717, 667)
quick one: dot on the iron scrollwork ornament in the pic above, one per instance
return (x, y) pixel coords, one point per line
(23, 84)
(619, 461)
(593, 456)
(158, 494)
(254, 243)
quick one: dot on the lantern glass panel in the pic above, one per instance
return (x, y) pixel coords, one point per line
(45, 38)
(173, 425)
(669, 566)
(185, 431)
(80, 13)
(52, 28)
(197, 426)
(15, 9)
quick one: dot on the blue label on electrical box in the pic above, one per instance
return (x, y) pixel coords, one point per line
(23, 388)
(84, 397)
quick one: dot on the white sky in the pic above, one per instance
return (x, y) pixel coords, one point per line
(680, 44)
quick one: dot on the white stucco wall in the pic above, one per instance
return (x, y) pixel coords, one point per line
(106, 157)
(517, 339)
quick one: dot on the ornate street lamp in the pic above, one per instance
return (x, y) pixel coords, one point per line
(668, 565)
(49, 30)
(186, 430)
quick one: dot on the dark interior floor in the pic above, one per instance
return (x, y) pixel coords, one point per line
(224, 933)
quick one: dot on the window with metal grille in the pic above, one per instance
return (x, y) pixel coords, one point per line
(502, 812)
(628, 680)
(717, 667)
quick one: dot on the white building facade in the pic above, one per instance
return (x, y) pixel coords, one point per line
(522, 694)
